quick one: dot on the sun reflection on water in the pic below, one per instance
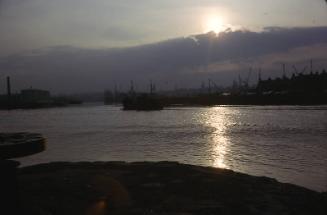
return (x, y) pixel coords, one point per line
(219, 143)
(219, 151)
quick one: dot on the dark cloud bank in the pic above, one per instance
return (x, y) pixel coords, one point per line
(183, 61)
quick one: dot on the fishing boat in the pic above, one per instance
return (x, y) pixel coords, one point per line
(142, 102)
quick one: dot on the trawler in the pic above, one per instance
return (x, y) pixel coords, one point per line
(142, 101)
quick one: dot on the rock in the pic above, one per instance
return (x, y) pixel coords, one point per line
(162, 188)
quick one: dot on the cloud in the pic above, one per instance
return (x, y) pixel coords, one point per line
(118, 33)
(184, 61)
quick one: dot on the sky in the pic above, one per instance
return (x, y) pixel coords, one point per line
(32, 24)
(97, 42)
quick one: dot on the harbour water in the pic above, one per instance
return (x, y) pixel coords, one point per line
(288, 143)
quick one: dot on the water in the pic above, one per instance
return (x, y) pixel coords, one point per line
(288, 143)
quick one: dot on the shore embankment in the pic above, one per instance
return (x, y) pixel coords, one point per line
(157, 188)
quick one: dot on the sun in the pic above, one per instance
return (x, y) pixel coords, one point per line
(214, 23)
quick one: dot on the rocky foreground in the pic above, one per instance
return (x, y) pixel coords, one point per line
(158, 188)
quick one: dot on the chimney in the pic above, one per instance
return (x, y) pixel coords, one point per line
(8, 86)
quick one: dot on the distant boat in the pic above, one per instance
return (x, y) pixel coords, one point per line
(142, 102)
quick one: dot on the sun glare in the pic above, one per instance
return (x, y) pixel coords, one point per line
(215, 24)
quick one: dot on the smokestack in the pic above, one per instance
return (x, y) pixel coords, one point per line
(8, 87)
(259, 75)
(209, 85)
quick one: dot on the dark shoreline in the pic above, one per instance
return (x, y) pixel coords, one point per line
(158, 188)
